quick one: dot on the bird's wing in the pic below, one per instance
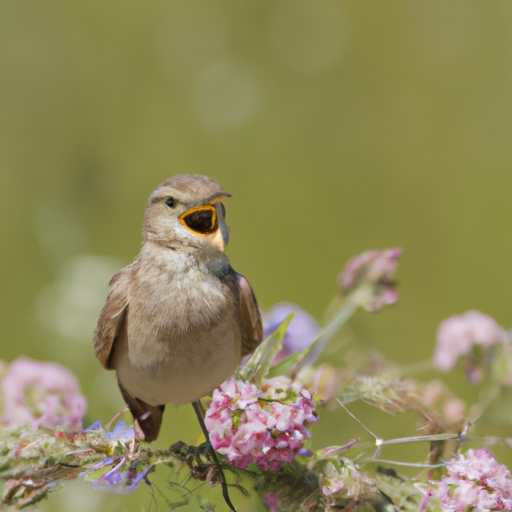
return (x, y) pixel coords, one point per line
(252, 330)
(111, 317)
(148, 416)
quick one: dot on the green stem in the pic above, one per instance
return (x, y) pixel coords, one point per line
(347, 309)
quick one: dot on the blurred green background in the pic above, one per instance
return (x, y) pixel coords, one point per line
(337, 126)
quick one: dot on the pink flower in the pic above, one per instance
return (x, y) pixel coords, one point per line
(264, 426)
(437, 393)
(475, 481)
(454, 409)
(324, 379)
(41, 393)
(372, 272)
(458, 335)
(333, 488)
(342, 478)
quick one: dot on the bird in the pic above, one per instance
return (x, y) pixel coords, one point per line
(178, 320)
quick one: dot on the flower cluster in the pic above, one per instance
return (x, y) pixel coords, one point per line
(475, 482)
(264, 426)
(41, 393)
(372, 275)
(461, 336)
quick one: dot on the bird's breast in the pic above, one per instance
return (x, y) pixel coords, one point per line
(181, 336)
(177, 293)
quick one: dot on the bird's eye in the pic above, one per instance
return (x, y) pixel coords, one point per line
(170, 202)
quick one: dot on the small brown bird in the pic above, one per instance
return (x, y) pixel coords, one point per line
(179, 319)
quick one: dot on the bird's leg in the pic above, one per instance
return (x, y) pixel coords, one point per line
(225, 494)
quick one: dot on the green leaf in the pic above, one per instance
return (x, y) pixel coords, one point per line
(254, 468)
(286, 366)
(258, 365)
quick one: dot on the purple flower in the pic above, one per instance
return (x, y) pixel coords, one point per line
(301, 332)
(372, 274)
(459, 336)
(121, 433)
(102, 464)
(41, 393)
(126, 470)
(332, 451)
(271, 500)
(264, 426)
(121, 479)
(475, 481)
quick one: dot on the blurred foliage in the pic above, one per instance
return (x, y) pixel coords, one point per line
(337, 126)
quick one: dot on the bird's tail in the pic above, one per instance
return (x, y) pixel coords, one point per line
(148, 416)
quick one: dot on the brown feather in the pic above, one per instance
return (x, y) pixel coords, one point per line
(148, 416)
(250, 318)
(111, 317)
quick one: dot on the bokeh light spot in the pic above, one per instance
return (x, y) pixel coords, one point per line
(309, 36)
(70, 306)
(225, 96)
(192, 36)
(442, 30)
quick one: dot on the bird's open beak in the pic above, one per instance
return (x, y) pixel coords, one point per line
(221, 215)
(201, 220)
(208, 219)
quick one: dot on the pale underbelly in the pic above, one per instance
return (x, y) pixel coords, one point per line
(162, 374)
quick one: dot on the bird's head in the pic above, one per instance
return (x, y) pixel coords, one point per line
(186, 211)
